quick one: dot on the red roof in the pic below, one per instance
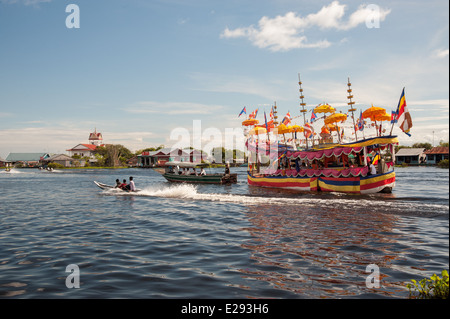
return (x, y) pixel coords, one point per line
(437, 150)
(91, 147)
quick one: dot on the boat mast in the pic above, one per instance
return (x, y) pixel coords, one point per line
(302, 104)
(350, 104)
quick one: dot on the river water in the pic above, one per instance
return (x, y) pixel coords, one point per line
(214, 241)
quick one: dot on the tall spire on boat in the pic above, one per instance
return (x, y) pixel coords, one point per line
(275, 116)
(302, 104)
(350, 104)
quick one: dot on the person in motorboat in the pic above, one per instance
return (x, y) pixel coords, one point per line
(202, 172)
(123, 185)
(227, 169)
(118, 183)
(131, 187)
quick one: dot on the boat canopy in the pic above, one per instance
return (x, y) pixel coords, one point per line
(186, 164)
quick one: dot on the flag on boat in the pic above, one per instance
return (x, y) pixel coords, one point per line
(393, 117)
(313, 116)
(403, 116)
(308, 130)
(376, 159)
(271, 114)
(287, 119)
(244, 111)
(253, 114)
(265, 120)
(360, 122)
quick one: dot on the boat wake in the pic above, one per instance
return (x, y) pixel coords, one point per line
(190, 192)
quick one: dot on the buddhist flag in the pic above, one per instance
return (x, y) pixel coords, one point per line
(244, 111)
(287, 119)
(308, 130)
(403, 116)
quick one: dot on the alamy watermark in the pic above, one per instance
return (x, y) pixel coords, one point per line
(73, 19)
(373, 280)
(73, 280)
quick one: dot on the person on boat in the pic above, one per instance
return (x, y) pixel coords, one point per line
(118, 183)
(123, 185)
(131, 187)
(373, 170)
(202, 172)
(227, 169)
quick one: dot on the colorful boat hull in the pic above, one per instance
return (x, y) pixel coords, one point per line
(295, 183)
(357, 185)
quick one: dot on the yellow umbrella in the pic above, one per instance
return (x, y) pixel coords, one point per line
(297, 128)
(324, 108)
(335, 118)
(257, 130)
(373, 112)
(282, 129)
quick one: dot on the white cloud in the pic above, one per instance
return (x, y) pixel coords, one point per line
(442, 53)
(284, 33)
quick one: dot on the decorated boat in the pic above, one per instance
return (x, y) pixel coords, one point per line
(329, 161)
(187, 172)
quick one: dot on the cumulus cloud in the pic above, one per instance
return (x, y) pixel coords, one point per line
(284, 33)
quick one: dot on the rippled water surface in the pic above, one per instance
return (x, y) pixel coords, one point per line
(212, 241)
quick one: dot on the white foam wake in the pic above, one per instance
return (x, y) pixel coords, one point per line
(189, 192)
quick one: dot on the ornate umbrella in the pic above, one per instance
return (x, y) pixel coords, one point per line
(250, 122)
(336, 118)
(324, 108)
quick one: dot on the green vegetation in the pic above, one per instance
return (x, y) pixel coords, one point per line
(432, 288)
(443, 163)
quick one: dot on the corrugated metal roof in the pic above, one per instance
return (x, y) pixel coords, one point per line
(438, 150)
(25, 157)
(410, 152)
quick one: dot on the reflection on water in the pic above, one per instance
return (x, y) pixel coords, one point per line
(319, 253)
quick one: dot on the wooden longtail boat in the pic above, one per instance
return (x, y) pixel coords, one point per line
(176, 172)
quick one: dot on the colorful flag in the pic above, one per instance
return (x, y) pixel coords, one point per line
(376, 159)
(243, 111)
(403, 116)
(253, 114)
(393, 117)
(271, 113)
(308, 130)
(265, 119)
(313, 116)
(360, 122)
(287, 119)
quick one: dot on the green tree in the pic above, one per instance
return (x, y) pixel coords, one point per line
(426, 146)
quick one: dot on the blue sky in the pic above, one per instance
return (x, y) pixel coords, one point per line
(137, 69)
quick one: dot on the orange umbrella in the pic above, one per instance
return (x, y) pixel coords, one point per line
(373, 112)
(250, 122)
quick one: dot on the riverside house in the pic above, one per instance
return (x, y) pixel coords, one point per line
(26, 159)
(436, 154)
(410, 156)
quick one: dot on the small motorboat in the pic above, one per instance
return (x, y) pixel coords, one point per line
(109, 187)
